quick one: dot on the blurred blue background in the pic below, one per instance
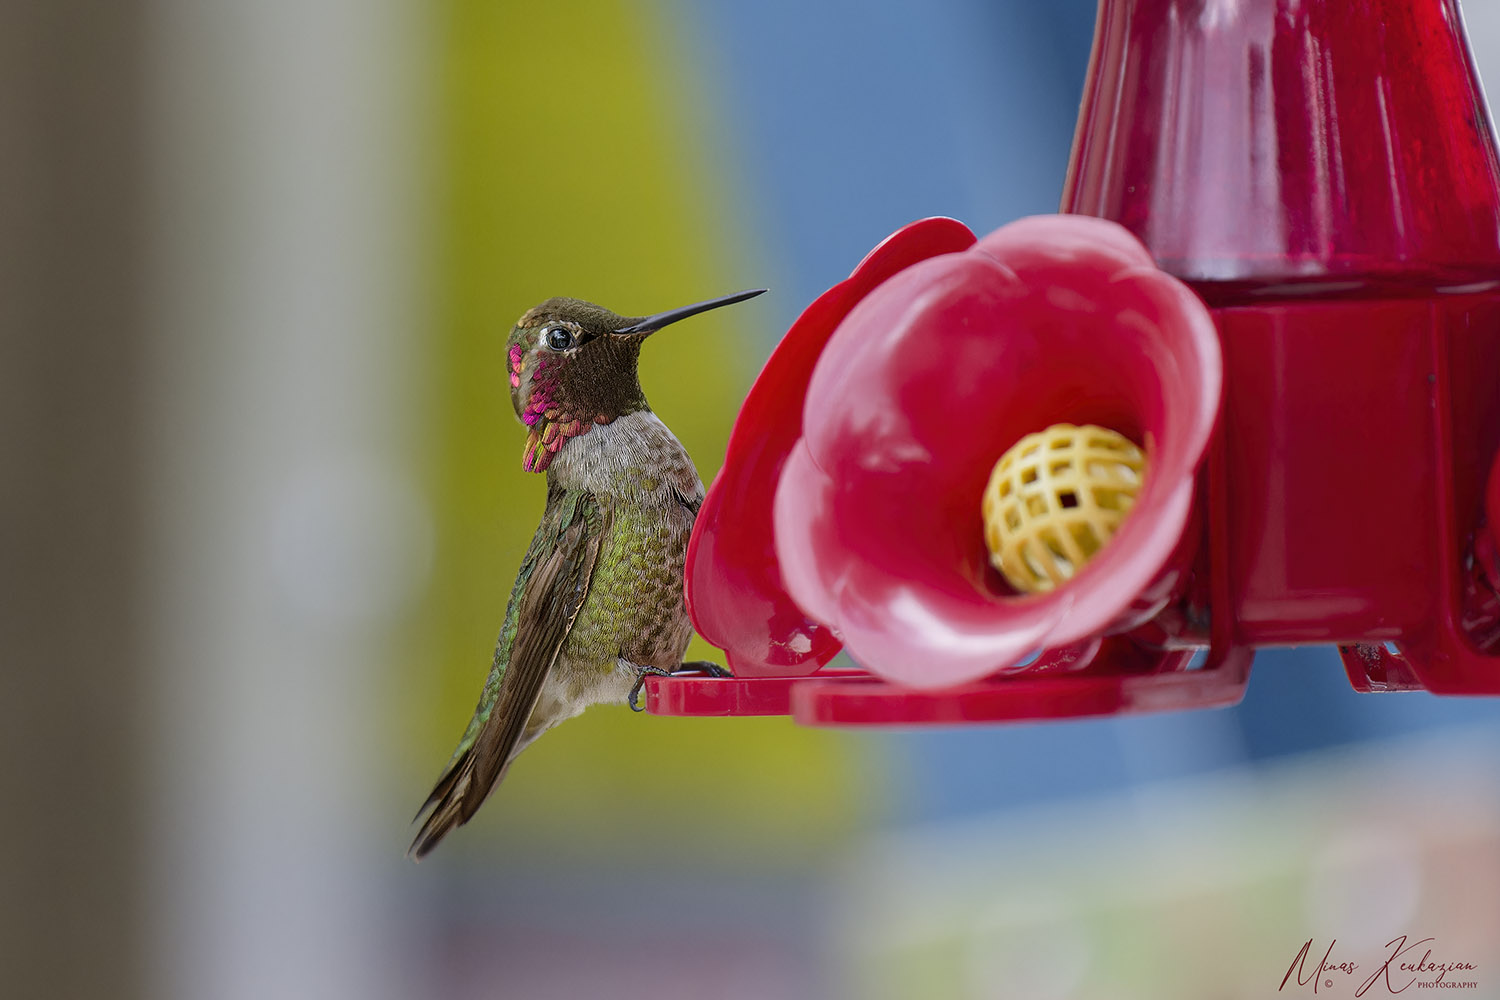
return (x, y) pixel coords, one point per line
(289, 239)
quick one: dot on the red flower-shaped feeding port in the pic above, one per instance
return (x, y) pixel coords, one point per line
(848, 507)
(927, 382)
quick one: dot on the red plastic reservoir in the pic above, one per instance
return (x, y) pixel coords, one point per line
(1324, 174)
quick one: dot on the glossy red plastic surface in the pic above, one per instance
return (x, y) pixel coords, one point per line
(1119, 674)
(1323, 174)
(701, 695)
(1290, 140)
(1492, 511)
(1487, 545)
(1167, 686)
(927, 381)
(734, 589)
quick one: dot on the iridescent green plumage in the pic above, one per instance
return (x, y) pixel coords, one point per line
(563, 510)
(598, 600)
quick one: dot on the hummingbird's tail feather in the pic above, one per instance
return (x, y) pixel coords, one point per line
(451, 805)
(443, 787)
(444, 815)
(548, 601)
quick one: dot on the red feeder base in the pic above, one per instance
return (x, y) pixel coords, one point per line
(1164, 683)
(866, 701)
(694, 694)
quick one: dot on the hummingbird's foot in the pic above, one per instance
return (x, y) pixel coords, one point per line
(690, 667)
(703, 667)
(640, 681)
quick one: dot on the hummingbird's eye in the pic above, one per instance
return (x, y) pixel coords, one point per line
(559, 338)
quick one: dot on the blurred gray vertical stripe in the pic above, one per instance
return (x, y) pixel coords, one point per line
(71, 341)
(286, 531)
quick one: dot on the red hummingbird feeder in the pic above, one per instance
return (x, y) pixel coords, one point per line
(1319, 415)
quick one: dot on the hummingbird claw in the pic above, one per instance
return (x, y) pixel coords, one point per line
(703, 667)
(691, 667)
(640, 681)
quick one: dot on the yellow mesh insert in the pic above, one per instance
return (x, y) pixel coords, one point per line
(1055, 499)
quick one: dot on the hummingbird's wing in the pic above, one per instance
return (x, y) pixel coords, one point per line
(551, 587)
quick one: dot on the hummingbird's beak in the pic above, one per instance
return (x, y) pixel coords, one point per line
(651, 324)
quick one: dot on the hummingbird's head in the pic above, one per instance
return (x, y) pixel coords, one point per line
(573, 366)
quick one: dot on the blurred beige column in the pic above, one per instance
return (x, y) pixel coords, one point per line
(71, 652)
(287, 533)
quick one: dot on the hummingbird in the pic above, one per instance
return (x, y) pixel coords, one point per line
(598, 603)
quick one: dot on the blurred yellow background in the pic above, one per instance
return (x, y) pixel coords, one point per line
(575, 166)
